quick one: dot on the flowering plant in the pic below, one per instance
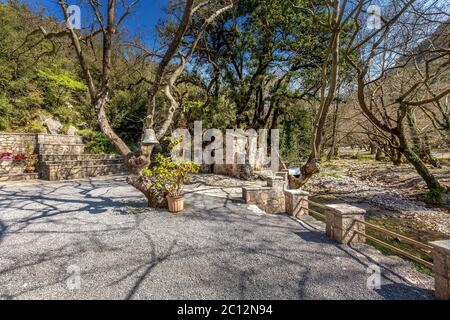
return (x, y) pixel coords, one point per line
(20, 157)
(6, 155)
(169, 176)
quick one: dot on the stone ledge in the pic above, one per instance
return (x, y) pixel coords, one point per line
(19, 177)
(442, 245)
(345, 209)
(296, 192)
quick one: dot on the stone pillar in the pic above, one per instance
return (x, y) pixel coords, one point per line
(276, 182)
(340, 223)
(271, 201)
(441, 261)
(296, 202)
(249, 194)
(284, 174)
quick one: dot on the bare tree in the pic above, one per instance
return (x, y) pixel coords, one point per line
(342, 20)
(398, 72)
(106, 27)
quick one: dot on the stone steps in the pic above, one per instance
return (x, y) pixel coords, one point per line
(61, 149)
(18, 177)
(79, 157)
(67, 172)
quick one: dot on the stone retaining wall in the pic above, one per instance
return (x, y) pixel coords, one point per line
(18, 142)
(58, 139)
(66, 171)
(60, 157)
(11, 167)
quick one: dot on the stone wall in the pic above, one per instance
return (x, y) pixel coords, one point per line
(61, 157)
(10, 167)
(18, 142)
(58, 139)
(78, 169)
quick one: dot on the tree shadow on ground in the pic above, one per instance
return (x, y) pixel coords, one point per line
(243, 254)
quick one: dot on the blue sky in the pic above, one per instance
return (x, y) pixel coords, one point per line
(142, 22)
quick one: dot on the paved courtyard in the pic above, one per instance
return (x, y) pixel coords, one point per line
(218, 249)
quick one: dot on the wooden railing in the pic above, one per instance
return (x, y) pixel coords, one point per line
(422, 246)
(315, 204)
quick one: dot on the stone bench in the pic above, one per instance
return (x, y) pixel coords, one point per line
(270, 199)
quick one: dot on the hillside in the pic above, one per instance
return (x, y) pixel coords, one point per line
(40, 82)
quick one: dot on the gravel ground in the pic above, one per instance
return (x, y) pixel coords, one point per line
(391, 202)
(218, 249)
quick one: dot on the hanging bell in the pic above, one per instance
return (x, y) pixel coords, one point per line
(149, 138)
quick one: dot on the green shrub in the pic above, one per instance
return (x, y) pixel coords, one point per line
(96, 142)
(36, 126)
(170, 176)
(4, 124)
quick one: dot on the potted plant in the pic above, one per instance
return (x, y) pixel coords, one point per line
(169, 178)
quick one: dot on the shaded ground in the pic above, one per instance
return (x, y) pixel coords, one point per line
(218, 249)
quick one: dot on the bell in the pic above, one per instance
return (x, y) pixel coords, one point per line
(149, 138)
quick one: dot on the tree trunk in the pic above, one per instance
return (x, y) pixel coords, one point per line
(414, 159)
(332, 152)
(420, 146)
(154, 197)
(397, 157)
(329, 82)
(379, 156)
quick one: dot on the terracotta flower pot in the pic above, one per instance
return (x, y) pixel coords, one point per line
(30, 169)
(176, 204)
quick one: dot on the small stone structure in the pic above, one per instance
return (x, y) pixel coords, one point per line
(441, 263)
(12, 170)
(296, 202)
(60, 157)
(341, 224)
(271, 198)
